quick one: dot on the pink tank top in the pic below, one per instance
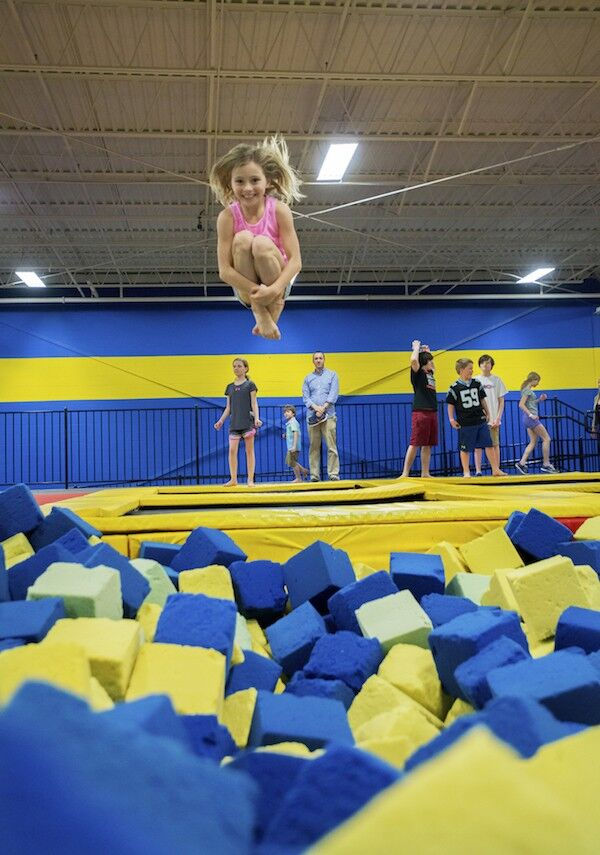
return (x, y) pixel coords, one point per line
(267, 225)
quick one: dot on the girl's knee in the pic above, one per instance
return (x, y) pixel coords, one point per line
(242, 241)
(262, 246)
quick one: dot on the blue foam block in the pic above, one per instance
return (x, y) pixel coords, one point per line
(173, 576)
(582, 552)
(164, 553)
(19, 511)
(315, 573)
(206, 546)
(73, 540)
(138, 795)
(134, 587)
(301, 686)
(565, 682)
(447, 737)
(540, 535)
(525, 724)
(255, 672)
(326, 792)
(153, 714)
(30, 620)
(418, 573)
(344, 602)
(345, 656)
(471, 675)
(293, 637)
(209, 738)
(4, 589)
(24, 574)
(286, 718)
(594, 660)
(259, 591)
(464, 636)
(198, 621)
(9, 643)
(58, 522)
(513, 522)
(578, 628)
(440, 608)
(274, 774)
(329, 622)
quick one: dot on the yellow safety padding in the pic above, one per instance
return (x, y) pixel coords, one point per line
(120, 542)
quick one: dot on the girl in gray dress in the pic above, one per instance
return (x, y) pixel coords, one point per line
(242, 410)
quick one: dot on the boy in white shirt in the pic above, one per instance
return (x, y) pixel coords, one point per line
(495, 391)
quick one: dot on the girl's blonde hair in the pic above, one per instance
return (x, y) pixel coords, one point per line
(273, 158)
(533, 375)
(244, 363)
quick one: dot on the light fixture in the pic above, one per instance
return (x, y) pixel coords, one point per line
(30, 278)
(535, 275)
(336, 161)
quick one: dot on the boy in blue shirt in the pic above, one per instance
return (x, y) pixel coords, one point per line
(293, 441)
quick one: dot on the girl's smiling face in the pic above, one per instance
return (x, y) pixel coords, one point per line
(248, 182)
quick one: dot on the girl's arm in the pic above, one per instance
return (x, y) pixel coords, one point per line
(289, 239)
(452, 416)
(227, 271)
(219, 424)
(254, 407)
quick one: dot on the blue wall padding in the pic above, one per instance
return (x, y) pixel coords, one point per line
(440, 608)
(259, 591)
(30, 620)
(274, 774)
(471, 675)
(206, 546)
(582, 552)
(578, 628)
(286, 718)
(58, 522)
(209, 738)
(301, 686)
(255, 672)
(315, 573)
(418, 573)
(344, 602)
(565, 682)
(4, 589)
(142, 795)
(326, 792)
(540, 535)
(153, 714)
(525, 724)
(513, 522)
(19, 511)
(9, 643)
(24, 574)
(74, 541)
(293, 637)
(134, 587)
(447, 737)
(460, 639)
(164, 553)
(198, 621)
(345, 656)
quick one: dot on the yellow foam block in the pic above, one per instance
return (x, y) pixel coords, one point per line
(99, 699)
(237, 656)
(16, 549)
(542, 648)
(238, 710)
(588, 579)
(401, 721)
(256, 633)
(544, 590)
(212, 581)
(492, 551)
(63, 665)
(458, 708)
(588, 530)
(147, 616)
(412, 669)
(93, 539)
(425, 812)
(395, 750)
(294, 749)
(451, 559)
(193, 677)
(361, 571)
(500, 593)
(377, 696)
(279, 687)
(258, 648)
(111, 647)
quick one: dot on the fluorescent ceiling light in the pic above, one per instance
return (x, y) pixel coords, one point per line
(336, 161)
(30, 278)
(535, 275)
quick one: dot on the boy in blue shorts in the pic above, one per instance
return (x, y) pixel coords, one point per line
(468, 412)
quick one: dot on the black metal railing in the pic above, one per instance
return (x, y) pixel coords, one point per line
(178, 445)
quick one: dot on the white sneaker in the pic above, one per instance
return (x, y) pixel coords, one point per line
(548, 469)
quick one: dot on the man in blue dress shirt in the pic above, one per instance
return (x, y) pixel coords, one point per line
(320, 391)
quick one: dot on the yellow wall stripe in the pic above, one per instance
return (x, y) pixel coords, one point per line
(276, 375)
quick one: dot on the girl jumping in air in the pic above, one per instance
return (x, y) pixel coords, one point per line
(531, 421)
(242, 409)
(258, 250)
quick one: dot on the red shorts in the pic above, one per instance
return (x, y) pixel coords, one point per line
(424, 427)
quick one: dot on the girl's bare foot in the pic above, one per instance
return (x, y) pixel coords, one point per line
(296, 481)
(231, 483)
(251, 484)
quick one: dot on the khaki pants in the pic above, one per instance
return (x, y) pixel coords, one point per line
(326, 429)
